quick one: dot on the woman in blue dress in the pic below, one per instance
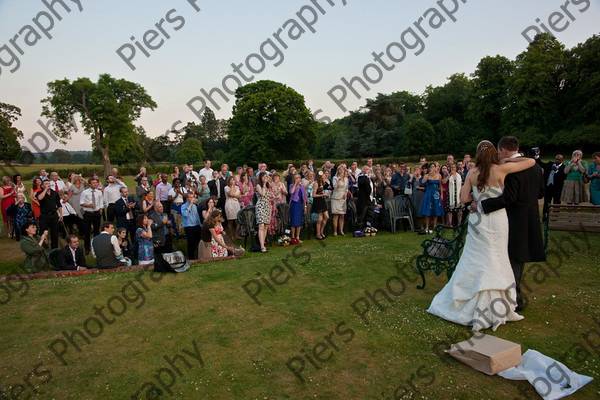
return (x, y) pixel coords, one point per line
(298, 205)
(432, 201)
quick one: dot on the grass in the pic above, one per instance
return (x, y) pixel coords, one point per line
(245, 347)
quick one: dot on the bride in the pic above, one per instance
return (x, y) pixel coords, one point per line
(482, 290)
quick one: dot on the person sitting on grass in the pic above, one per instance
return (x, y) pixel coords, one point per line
(214, 243)
(105, 247)
(71, 256)
(126, 249)
(35, 248)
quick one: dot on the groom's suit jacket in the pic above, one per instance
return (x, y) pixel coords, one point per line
(520, 198)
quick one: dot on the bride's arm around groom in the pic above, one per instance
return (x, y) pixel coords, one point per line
(520, 198)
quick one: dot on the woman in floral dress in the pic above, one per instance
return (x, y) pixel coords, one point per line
(143, 234)
(263, 209)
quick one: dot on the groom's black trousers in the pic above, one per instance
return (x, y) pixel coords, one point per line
(517, 267)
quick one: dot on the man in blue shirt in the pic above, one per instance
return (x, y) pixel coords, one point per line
(191, 224)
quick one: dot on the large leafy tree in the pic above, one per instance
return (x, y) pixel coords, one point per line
(490, 95)
(211, 131)
(9, 135)
(190, 152)
(417, 136)
(270, 122)
(107, 110)
(450, 100)
(580, 97)
(533, 110)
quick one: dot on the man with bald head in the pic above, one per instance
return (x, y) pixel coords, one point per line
(161, 235)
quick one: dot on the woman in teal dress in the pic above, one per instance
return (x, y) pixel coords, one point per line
(573, 189)
(432, 201)
(594, 176)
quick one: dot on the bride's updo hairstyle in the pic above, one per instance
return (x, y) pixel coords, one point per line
(487, 155)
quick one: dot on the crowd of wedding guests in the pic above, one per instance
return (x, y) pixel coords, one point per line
(121, 225)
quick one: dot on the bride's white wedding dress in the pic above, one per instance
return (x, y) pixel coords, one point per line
(482, 290)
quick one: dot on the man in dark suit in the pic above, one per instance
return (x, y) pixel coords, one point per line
(125, 211)
(520, 198)
(366, 198)
(554, 179)
(217, 189)
(71, 256)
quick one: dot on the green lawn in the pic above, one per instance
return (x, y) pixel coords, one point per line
(224, 346)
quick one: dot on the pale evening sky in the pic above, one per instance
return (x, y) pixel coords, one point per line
(202, 45)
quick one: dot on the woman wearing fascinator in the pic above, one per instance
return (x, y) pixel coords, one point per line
(482, 291)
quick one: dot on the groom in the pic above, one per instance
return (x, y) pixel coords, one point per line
(520, 198)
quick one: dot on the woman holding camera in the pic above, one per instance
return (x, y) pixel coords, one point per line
(34, 246)
(143, 234)
(573, 189)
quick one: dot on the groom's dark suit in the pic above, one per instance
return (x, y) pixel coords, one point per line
(520, 198)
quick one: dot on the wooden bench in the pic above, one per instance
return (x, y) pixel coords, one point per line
(574, 218)
(442, 252)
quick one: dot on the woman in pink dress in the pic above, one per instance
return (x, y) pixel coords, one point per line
(246, 189)
(7, 194)
(278, 193)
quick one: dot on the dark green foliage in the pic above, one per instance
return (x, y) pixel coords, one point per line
(9, 135)
(190, 152)
(60, 156)
(270, 122)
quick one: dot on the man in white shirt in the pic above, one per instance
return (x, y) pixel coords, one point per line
(70, 216)
(92, 204)
(56, 184)
(112, 193)
(206, 171)
(162, 193)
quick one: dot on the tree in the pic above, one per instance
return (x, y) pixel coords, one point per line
(43, 158)
(61, 156)
(270, 122)
(190, 152)
(211, 132)
(490, 95)
(533, 111)
(107, 110)
(9, 135)
(450, 100)
(27, 157)
(417, 136)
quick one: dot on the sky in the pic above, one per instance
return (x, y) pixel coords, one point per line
(308, 45)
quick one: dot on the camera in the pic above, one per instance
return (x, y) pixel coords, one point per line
(535, 149)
